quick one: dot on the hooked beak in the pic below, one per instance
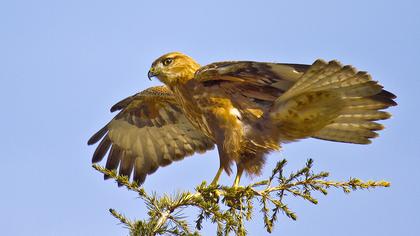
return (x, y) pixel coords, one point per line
(151, 73)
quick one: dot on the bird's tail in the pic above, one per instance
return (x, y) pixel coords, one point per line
(331, 102)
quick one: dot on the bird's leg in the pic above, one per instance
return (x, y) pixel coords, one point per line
(217, 177)
(240, 170)
(222, 158)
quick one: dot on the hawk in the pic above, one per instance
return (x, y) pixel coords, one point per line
(245, 108)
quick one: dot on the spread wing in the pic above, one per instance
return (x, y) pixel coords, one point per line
(332, 102)
(326, 100)
(149, 131)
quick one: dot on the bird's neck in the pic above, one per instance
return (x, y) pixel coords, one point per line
(180, 88)
(181, 78)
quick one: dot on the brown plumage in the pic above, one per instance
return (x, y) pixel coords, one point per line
(149, 131)
(246, 108)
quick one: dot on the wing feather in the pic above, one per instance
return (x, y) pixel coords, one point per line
(126, 164)
(356, 102)
(114, 159)
(149, 131)
(101, 150)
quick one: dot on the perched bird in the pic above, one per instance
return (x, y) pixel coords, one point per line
(247, 109)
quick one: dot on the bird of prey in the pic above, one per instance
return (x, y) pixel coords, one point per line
(247, 109)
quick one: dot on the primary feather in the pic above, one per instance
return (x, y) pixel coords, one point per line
(150, 131)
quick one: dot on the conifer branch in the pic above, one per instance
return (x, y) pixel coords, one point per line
(230, 207)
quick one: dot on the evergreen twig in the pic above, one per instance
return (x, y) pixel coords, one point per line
(230, 207)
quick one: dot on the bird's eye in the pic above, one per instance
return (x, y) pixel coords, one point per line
(167, 61)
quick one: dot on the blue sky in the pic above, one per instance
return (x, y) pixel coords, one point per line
(64, 63)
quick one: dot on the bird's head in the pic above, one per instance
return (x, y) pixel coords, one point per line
(173, 68)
